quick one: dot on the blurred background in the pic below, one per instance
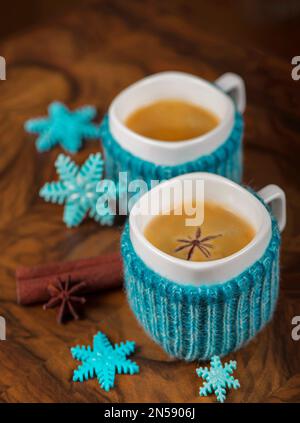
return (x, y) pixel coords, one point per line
(271, 25)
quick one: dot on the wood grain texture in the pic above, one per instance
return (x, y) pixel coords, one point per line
(87, 57)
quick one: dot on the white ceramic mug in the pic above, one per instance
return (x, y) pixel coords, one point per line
(186, 87)
(233, 197)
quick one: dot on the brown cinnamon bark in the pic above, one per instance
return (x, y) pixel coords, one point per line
(103, 272)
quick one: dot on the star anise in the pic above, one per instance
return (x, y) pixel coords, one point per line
(197, 242)
(65, 295)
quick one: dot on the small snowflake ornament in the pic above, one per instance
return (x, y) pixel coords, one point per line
(218, 378)
(76, 189)
(64, 127)
(104, 361)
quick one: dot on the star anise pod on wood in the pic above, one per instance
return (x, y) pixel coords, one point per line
(197, 242)
(64, 294)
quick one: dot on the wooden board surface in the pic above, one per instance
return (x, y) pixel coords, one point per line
(87, 58)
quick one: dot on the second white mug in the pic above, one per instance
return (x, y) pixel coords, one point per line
(217, 151)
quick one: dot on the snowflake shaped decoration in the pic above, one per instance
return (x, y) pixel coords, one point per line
(63, 127)
(218, 378)
(77, 189)
(103, 361)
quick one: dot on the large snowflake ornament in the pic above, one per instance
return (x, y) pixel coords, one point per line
(218, 378)
(104, 361)
(76, 189)
(64, 127)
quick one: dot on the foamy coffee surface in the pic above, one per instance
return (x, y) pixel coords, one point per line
(172, 120)
(222, 233)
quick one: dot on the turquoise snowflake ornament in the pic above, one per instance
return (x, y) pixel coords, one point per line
(64, 127)
(218, 378)
(76, 188)
(104, 361)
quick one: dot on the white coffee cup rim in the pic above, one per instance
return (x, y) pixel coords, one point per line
(164, 152)
(212, 270)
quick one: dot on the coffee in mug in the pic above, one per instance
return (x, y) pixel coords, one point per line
(172, 120)
(221, 234)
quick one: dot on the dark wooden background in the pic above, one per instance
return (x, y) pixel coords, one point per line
(86, 55)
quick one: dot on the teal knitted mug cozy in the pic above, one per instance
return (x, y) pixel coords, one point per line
(226, 160)
(195, 323)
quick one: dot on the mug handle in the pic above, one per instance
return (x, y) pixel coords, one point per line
(274, 196)
(233, 85)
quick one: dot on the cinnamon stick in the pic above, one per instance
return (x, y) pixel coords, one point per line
(98, 273)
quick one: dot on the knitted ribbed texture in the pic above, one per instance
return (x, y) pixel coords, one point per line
(226, 160)
(198, 322)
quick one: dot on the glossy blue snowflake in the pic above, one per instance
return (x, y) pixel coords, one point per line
(218, 378)
(77, 189)
(63, 127)
(104, 361)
